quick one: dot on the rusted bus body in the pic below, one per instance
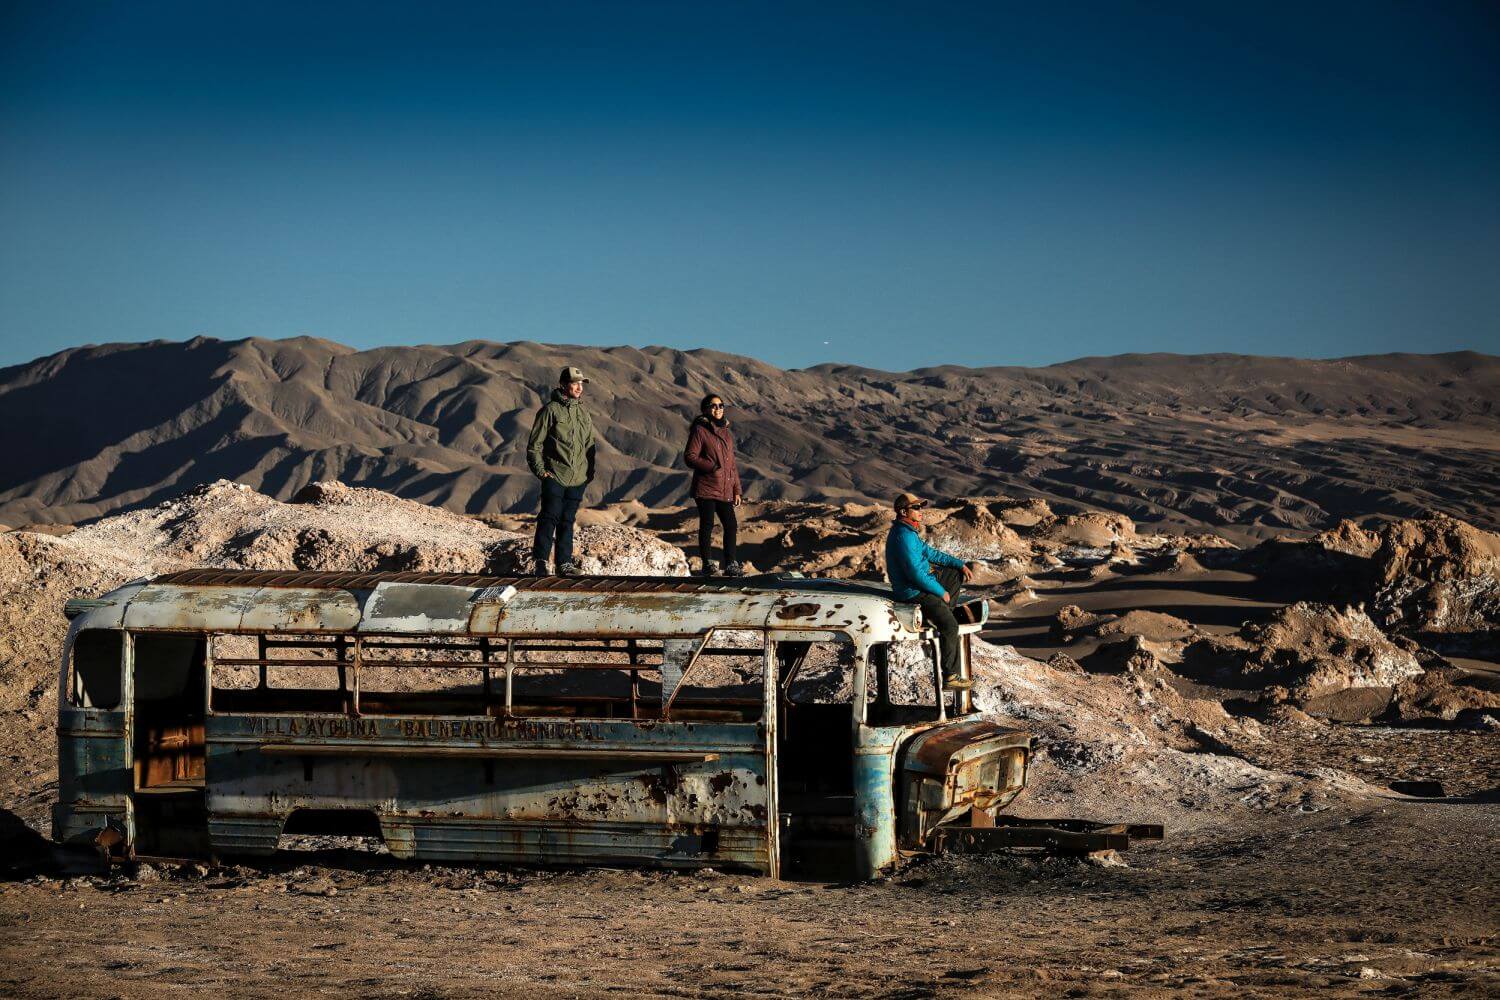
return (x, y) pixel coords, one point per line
(538, 760)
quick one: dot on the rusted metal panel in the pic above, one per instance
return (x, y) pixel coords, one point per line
(321, 580)
(94, 776)
(533, 613)
(452, 604)
(108, 610)
(956, 767)
(162, 606)
(418, 608)
(875, 799)
(449, 603)
(538, 790)
(935, 750)
(231, 609)
(93, 758)
(1065, 836)
(463, 839)
(296, 609)
(79, 818)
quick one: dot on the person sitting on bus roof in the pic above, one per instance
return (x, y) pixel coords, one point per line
(560, 453)
(928, 576)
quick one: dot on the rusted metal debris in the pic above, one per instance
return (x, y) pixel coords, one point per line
(90, 852)
(1059, 836)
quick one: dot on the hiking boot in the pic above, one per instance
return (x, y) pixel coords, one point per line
(568, 569)
(971, 612)
(540, 569)
(957, 684)
(735, 568)
(709, 568)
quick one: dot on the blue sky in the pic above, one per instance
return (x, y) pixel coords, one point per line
(891, 185)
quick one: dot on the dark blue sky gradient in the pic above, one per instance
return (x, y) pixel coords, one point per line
(890, 185)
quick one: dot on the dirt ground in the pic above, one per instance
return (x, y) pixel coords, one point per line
(1396, 899)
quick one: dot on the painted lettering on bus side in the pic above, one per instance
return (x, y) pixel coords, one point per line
(483, 730)
(341, 728)
(497, 729)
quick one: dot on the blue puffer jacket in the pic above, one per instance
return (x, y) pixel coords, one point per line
(907, 563)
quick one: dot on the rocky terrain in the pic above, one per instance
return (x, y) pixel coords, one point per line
(1273, 704)
(1248, 446)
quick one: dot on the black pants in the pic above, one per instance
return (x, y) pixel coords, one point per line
(706, 511)
(939, 613)
(555, 522)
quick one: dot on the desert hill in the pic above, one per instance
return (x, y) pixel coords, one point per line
(1257, 444)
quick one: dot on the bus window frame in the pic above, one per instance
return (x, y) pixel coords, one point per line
(509, 665)
(72, 683)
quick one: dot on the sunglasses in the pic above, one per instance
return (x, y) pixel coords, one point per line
(716, 406)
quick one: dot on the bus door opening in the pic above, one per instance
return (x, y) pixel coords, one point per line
(815, 756)
(168, 747)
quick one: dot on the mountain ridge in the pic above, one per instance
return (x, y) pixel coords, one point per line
(1237, 441)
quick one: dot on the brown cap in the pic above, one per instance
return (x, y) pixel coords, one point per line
(908, 501)
(571, 374)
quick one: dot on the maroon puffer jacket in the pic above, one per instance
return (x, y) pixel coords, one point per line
(710, 454)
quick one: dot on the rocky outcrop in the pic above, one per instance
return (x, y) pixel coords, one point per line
(1439, 578)
(978, 529)
(1434, 578)
(1450, 695)
(1327, 661)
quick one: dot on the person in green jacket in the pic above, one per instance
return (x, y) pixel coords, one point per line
(560, 452)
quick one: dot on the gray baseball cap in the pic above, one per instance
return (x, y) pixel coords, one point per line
(571, 374)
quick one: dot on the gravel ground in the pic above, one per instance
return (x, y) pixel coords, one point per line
(1395, 900)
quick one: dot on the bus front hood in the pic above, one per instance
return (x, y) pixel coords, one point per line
(957, 766)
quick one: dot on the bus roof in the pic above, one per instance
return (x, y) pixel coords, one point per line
(435, 603)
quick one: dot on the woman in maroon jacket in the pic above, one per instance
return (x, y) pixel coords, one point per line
(716, 483)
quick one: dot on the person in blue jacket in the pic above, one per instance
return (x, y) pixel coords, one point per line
(928, 576)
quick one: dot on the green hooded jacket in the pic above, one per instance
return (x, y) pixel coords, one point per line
(562, 441)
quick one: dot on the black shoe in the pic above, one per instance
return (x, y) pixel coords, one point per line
(972, 612)
(540, 569)
(735, 568)
(709, 568)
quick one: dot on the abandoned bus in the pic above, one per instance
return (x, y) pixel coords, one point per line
(752, 723)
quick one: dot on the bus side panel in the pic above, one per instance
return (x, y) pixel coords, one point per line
(93, 772)
(526, 790)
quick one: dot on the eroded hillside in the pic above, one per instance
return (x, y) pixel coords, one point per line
(1250, 445)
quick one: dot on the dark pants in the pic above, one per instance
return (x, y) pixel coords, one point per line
(555, 522)
(939, 614)
(706, 511)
